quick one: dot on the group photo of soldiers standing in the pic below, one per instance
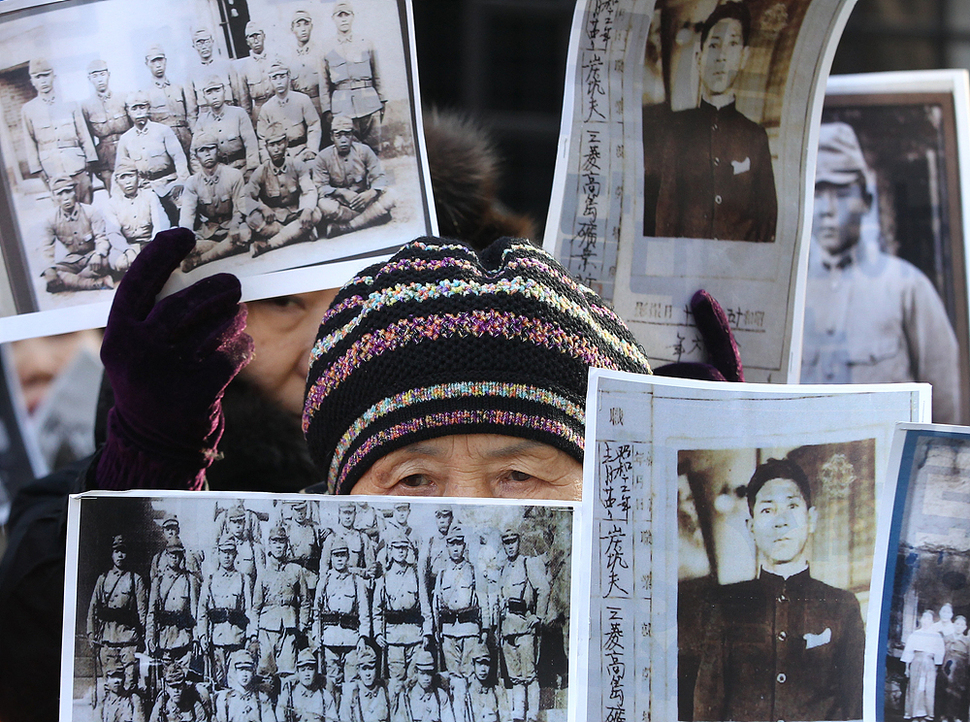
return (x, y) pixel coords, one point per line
(281, 145)
(324, 610)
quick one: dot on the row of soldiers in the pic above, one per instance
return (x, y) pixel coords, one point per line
(367, 592)
(260, 125)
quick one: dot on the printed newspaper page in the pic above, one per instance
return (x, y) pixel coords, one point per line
(202, 606)
(918, 657)
(688, 131)
(733, 528)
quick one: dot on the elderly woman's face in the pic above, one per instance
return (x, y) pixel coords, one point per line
(476, 465)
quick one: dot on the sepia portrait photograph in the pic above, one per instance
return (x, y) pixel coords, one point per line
(886, 297)
(220, 607)
(774, 558)
(284, 134)
(922, 664)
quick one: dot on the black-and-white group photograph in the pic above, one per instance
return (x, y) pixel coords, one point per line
(774, 558)
(924, 645)
(283, 133)
(219, 607)
(886, 292)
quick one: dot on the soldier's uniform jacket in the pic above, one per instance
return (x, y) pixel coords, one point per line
(457, 609)
(252, 705)
(108, 119)
(352, 78)
(254, 81)
(781, 649)
(359, 170)
(879, 320)
(167, 104)
(198, 73)
(341, 610)
(359, 704)
(482, 703)
(281, 600)
(295, 112)
(306, 67)
(171, 609)
(58, 141)
(224, 607)
(156, 153)
(82, 232)
(193, 564)
(298, 703)
(213, 203)
(362, 556)
(118, 609)
(401, 610)
(522, 595)
(286, 189)
(139, 217)
(306, 543)
(238, 145)
(430, 705)
(185, 704)
(716, 179)
(122, 707)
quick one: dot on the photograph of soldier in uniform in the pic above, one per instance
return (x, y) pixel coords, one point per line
(775, 554)
(921, 667)
(86, 102)
(707, 159)
(483, 637)
(881, 301)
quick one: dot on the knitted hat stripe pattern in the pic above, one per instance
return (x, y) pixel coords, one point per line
(405, 293)
(487, 417)
(442, 340)
(451, 391)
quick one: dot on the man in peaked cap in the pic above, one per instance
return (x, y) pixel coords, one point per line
(107, 118)
(426, 701)
(351, 79)
(80, 229)
(213, 205)
(783, 645)
(254, 71)
(366, 699)
(243, 701)
(363, 558)
(133, 212)
(303, 698)
(117, 615)
(483, 701)
(238, 145)
(57, 140)
(225, 605)
(294, 111)
(283, 198)
(457, 605)
(870, 317)
(168, 103)
(120, 701)
(306, 536)
(208, 63)
(171, 533)
(306, 62)
(351, 186)
(172, 606)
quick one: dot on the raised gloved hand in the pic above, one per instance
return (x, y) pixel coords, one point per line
(722, 349)
(169, 363)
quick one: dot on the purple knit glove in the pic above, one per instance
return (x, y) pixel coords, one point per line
(722, 349)
(169, 363)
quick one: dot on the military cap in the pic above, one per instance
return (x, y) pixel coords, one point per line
(402, 505)
(96, 65)
(301, 14)
(241, 659)
(227, 543)
(61, 182)
(510, 533)
(124, 166)
(213, 81)
(339, 544)
(204, 139)
(155, 51)
(478, 652)
(39, 66)
(253, 27)
(341, 122)
(139, 97)
(203, 32)
(278, 533)
(298, 504)
(441, 513)
(424, 661)
(168, 519)
(115, 670)
(175, 546)
(236, 511)
(342, 6)
(278, 64)
(840, 159)
(118, 542)
(344, 504)
(306, 658)
(456, 532)
(400, 540)
(367, 657)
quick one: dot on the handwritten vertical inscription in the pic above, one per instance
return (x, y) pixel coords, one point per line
(616, 549)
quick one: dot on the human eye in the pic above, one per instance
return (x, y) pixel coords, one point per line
(516, 475)
(415, 481)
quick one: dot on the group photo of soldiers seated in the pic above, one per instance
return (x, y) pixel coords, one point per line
(293, 616)
(253, 154)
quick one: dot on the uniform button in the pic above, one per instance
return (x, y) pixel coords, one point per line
(782, 678)
(717, 161)
(717, 199)
(714, 126)
(782, 635)
(782, 597)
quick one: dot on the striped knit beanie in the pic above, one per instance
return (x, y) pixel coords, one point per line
(440, 341)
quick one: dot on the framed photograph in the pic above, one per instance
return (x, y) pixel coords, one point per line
(919, 658)
(287, 136)
(306, 607)
(886, 295)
